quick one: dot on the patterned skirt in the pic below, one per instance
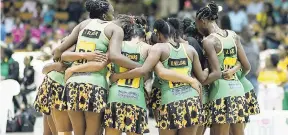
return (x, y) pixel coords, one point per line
(180, 114)
(126, 118)
(49, 96)
(228, 110)
(85, 97)
(206, 114)
(155, 98)
(252, 104)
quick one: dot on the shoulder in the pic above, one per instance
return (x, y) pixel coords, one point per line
(84, 23)
(210, 41)
(190, 49)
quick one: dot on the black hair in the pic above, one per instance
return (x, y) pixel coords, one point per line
(189, 27)
(210, 12)
(225, 22)
(140, 26)
(97, 8)
(178, 26)
(127, 24)
(274, 59)
(164, 28)
(8, 52)
(190, 30)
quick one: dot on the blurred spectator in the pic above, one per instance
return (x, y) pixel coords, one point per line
(284, 13)
(18, 34)
(187, 12)
(35, 34)
(253, 54)
(9, 67)
(9, 22)
(75, 10)
(266, 15)
(168, 7)
(28, 84)
(62, 5)
(238, 18)
(255, 7)
(30, 6)
(49, 16)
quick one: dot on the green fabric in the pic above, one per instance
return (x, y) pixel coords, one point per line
(5, 67)
(57, 76)
(179, 62)
(285, 101)
(91, 78)
(227, 59)
(129, 91)
(245, 82)
(205, 94)
(156, 82)
(90, 39)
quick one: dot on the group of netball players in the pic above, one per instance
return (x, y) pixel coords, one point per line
(99, 80)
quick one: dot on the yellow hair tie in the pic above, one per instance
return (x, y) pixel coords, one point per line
(155, 30)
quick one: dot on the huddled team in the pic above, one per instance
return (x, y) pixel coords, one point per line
(109, 70)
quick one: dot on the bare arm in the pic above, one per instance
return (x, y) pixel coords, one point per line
(115, 44)
(227, 74)
(171, 75)
(91, 66)
(90, 56)
(57, 66)
(197, 68)
(242, 57)
(69, 40)
(150, 62)
(215, 73)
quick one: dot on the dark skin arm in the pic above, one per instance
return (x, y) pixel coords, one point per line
(150, 62)
(227, 74)
(246, 67)
(91, 66)
(116, 35)
(56, 66)
(197, 68)
(69, 40)
(209, 47)
(90, 56)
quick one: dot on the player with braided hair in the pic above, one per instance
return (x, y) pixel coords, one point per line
(86, 84)
(223, 49)
(179, 100)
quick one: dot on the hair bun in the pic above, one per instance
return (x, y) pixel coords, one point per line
(214, 10)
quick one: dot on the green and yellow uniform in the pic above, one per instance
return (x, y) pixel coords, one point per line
(180, 103)
(88, 91)
(126, 109)
(50, 93)
(227, 102)
(250, 96)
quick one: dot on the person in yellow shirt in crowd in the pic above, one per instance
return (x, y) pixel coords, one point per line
(283, 67)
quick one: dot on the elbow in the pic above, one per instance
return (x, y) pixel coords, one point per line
(113, 57)
(218, 75)
(247, 68)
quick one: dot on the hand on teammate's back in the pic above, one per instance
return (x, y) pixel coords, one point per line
(96, 56)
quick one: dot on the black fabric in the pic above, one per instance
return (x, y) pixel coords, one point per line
(193, 42)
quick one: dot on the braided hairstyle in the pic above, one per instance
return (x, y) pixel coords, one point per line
(210, 12)
(140, 26)
(127, 24)
(97, 8)
(164, 28)
(178, 26)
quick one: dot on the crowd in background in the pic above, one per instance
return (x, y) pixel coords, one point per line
(33, 25)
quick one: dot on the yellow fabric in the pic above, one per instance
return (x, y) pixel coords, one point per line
(272, 76)
(262, 19)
